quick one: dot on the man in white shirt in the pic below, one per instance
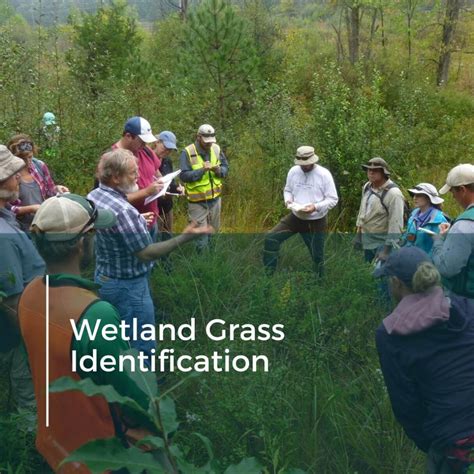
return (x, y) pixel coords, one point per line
(309, 193)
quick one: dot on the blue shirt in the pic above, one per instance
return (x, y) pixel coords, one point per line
(414, 237)
(19, 259)
(116, 247)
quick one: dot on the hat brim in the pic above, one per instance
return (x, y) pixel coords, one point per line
(148, 137)
(446, 188)
(433, 199)
(208, 139)
(370, 167)
(50, 122)
(105, 219)
(309, 161)
(170, 146)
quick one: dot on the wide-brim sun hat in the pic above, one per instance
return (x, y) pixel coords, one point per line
(429, 191)
(377, 163)
(305, 156)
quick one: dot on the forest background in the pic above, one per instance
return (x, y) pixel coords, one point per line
(353, 78)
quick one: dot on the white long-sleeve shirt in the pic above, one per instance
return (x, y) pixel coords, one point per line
(315, 187)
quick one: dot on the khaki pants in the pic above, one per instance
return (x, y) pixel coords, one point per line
(205, 213)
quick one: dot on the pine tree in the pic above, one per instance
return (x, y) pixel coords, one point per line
(219, 53)
(105, 45)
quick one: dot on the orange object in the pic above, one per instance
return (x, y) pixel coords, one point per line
(74, 418)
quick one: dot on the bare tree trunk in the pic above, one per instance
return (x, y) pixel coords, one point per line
(382, 27)
(373, 29)
(449, 29)
(339, 43)
(353, 23)
(183, 9)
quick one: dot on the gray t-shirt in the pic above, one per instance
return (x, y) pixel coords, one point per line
(30, 193)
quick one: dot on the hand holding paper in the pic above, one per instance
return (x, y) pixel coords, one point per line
(166, 180)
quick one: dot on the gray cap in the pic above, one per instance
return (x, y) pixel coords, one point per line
(9, 163)
(377, 163)
(305, 156)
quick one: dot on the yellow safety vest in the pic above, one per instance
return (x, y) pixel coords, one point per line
(210, 185)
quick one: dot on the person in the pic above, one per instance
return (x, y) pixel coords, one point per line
(426, 352)
(125, 252)
(427, 214)
(136, 137)
(36, 183)
(61, 230)
(19, 264)
(309, 193)
(453, 249)
(49, 135)
(164, 145)
(203, 167)
(380, 217)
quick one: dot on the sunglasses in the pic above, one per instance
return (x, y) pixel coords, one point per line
(24, 146)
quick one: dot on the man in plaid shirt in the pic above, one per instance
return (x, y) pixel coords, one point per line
(125, 252)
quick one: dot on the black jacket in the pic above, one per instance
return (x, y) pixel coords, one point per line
(430, 377)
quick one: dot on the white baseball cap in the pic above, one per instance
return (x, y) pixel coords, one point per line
(207, 133)
(459, 176)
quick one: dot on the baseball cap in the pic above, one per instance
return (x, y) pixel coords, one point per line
(403, 264)
(168, 139)
(49, 118)
(9, 163)
(62, 218)
(207, 133)
(141, 127)
(429, 190)
(459, 176)
(305, 156)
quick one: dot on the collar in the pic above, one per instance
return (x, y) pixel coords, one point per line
(68, 279)
(7, 215)
(110, 190)
(417, 312)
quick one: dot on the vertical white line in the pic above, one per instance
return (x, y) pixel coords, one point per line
(47, 351)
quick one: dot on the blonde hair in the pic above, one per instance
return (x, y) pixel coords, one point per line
(425, 278)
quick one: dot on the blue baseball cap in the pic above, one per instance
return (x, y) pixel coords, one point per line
(141, 127)
(168, 139)
(49, 118)
(403, 264)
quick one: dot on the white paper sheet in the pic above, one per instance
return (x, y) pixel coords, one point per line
(166, 181)
(294, 206)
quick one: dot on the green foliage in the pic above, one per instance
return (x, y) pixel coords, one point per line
(218, 53)
(108, 454)
(105, 45)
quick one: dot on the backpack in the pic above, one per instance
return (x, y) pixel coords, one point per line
(381, 196)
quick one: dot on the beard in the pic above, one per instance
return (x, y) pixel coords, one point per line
(128, 188)
(9, 196)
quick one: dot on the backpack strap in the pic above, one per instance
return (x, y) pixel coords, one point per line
(381, 196)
